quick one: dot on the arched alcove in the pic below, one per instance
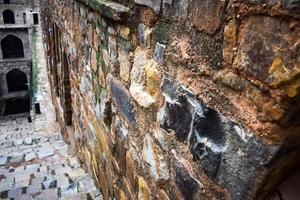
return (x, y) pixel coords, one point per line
(12, 47)
(8, 17)
(17, 106)
(16, 81)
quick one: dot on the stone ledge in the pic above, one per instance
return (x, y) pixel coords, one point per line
(108, 9)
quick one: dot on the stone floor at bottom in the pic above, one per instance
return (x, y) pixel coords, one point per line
(35, 164)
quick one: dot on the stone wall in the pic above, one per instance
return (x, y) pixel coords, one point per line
(178, 99)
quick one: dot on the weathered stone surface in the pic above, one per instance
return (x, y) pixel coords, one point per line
(45, 152)
(144, 191)
(18, 142)
(230, 40)
(30, 156)
(289, 4)
(185, 183)
(49, 183)
(229, 154)
(154, 4)
(109, 9)
(207, 15)
(145, 79)
(3, 160)
(175, 114)
(6, 184)
(17, 158)
(28, 141)
(70, 190)
(15, 193)
(159, 52)
(175, 9)
(267, 55)
(149, 156)
(145, 34)
(122, 100)
(124, 62)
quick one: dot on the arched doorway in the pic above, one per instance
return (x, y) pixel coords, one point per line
(12, 47)
(16, 81)
(8, 17)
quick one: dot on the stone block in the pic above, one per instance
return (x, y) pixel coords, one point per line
(16, 159)
(175, 9)
(185, 183)
(124, 62)
(207, 15)
(145, 79)
(122, 100)
(144, 35)
(14, 193)
(45, 152)
(110, 9)
(154, 4)
(6, 184)
(159, 52)
(3, 160)
(267, 55)
(143, 188)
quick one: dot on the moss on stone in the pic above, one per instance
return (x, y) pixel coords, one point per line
(162, 32)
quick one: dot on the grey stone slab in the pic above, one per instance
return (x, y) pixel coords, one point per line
(30, 156)
(28, 141)
(72, 189)
(6, 184)
(45, 152)
(81, 196)
(50, 194)
(3, 160)
(7, 144)
(22, 180)
(159, 52)
(34, 189)
(86, 184)
(16, 159)
(14, 193)
(62, 181)
(18, 142)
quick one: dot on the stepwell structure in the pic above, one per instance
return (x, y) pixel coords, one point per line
(17, 21)
(185, 99)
